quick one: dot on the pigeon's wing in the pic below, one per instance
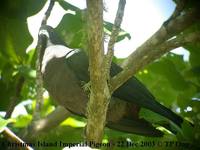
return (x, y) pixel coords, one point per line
(132, 91)
(139, 126)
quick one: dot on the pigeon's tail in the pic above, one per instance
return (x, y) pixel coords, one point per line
(164, 111)
(139, 126)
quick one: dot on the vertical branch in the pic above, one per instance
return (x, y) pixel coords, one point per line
(48, 12)
(40, 50)
(99, 67)
(98, 103)
(113, 37)
(39, 83)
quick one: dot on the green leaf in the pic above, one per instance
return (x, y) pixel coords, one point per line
(159, 86)
(122, 34)
(168, 69)
(47, 107)
(185, 97)
(194, 54)
(26, 71)
(73, 122)
(14, 41)
(166, 79)
(20, 9)
(187, 132)
(7, 90)
(14, 34)
(71, 28)
(23, 121)
(67, 6)
(4, 123)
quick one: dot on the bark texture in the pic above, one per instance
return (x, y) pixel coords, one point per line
(99, 94)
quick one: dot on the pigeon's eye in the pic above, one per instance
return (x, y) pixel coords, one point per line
(44, 32)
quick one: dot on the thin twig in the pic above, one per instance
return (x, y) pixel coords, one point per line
(15, 139)
(39, 50)
(48, 12)
(39, 86)
(113, 37)
(172, 44)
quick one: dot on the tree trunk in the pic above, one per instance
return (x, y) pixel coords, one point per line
(99, 94)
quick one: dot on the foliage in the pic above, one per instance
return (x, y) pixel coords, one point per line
(175, 82)
(4, 123)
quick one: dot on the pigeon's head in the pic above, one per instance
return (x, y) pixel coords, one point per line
(52, 37)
